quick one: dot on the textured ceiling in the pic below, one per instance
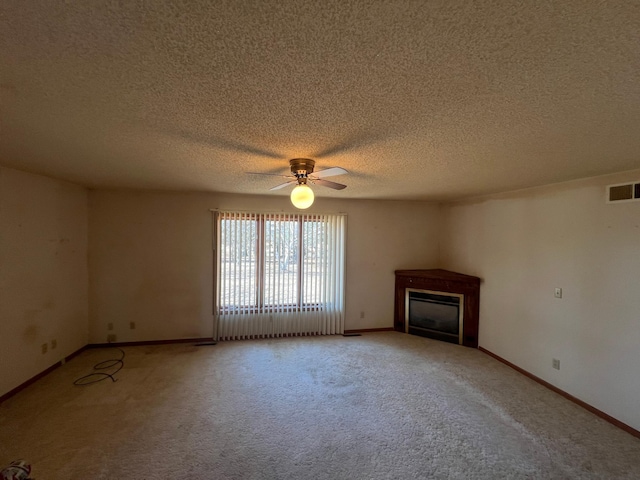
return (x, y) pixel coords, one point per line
(417, 100)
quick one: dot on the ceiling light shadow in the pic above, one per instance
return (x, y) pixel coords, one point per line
(225, 144)
(352, 142)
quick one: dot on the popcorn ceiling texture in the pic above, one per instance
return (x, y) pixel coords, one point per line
(418, 100)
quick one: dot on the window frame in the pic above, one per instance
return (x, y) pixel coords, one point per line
(260, 271)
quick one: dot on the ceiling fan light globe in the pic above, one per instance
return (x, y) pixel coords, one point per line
(302, 197)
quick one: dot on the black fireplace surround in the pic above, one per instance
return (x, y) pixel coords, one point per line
(438, 304)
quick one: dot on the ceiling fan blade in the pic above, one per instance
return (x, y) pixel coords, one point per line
(329, 172)
(270, 174)
(327, 183)
(282, 185)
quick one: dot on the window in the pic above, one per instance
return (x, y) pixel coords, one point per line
(274, 269)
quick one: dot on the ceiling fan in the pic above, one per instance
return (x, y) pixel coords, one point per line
(302, 173)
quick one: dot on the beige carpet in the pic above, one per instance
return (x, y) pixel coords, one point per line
(379, 406)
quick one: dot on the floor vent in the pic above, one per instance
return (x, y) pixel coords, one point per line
(624, 192)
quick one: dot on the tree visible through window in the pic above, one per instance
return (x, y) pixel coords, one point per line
(269, 263)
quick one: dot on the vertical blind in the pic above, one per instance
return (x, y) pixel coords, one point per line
(279, 274)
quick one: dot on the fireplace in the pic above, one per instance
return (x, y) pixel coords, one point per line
(438, 304)
(438, 314)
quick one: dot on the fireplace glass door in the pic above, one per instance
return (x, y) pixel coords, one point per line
(434, 314)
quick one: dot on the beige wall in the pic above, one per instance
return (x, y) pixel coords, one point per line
(150, 258)
(43, 273)
(525, 244)
(150, 262)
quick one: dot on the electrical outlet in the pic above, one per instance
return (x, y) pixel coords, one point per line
(361, 314)
(109, 326)
(556, 364)
(44, 347)
(111, 338)
(132, 325)
(54, 344)
(557, 293)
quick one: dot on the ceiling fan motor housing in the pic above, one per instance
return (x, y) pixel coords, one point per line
(301, 168)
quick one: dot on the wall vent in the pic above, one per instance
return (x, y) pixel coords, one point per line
(623, 192)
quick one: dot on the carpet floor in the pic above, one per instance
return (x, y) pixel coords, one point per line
(379, 406)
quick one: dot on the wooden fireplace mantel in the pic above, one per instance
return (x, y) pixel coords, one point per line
(441, 281)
